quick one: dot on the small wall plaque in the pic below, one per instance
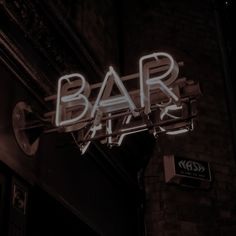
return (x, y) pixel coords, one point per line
(19, 198)
(186, 171)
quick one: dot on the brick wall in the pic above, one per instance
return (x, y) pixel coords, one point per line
(96, 24)
(187, 30)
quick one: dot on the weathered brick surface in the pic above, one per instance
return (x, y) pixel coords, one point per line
(96, 24)
(187, 30)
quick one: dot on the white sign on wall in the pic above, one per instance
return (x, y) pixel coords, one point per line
(151, 99)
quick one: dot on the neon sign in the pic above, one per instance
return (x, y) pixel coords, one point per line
(113, 109)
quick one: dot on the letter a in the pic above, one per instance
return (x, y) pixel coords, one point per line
(108, 104)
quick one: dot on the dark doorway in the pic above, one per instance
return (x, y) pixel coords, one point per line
(47, 216)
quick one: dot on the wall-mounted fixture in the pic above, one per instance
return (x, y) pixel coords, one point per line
(160, 103)
(187, 172)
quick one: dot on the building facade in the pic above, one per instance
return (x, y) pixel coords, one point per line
(123, 190)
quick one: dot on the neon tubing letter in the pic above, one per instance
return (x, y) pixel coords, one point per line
(147, 83)
(109, 104)
(76, 99)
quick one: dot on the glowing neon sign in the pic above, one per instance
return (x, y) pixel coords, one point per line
(111, 110)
